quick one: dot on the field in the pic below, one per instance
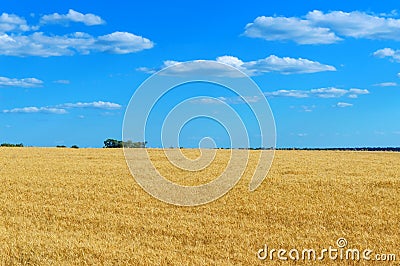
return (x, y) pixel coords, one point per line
(82, 206)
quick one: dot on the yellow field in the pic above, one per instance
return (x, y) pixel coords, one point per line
(82, 206)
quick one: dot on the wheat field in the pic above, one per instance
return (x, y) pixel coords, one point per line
(82, 206)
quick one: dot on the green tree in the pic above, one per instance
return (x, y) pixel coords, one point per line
(112, 143)
(139, 144)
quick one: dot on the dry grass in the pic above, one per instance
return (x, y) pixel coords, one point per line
(77, 206)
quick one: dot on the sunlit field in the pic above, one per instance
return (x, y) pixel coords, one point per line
(77, 206)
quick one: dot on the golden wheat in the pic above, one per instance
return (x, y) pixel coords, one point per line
(82, 206)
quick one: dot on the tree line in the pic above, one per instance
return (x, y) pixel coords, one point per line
(396, 149)
(113, 143)
(11, 145)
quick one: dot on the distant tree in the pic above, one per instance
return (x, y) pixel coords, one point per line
(74, 147)
(131, 144)
(113, 143)
(61, 146)
(11, 145)
(128, 144)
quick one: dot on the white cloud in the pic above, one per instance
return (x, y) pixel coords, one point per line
(219, 100)
(386, 84)
(273, 63)
(343, 105)
(289, 93)
(230, 60)
(250, 99)
(72, 16)
(47, 110)
(313, 93)
(319, 93)
(39, 44)
(15, 41)
(380, 133)
(11, 22)
(286, 65)
(393, 13)
(227, 100)
(61, 108)
(317, 27)
(97, 105)
(308, 109)
(354, 93)
(385, 52)
(242, 99)
(393, 55)
(324, 93)
(122, 43)
(302, 134)
(282, 29)
(328, 92)
(23, 83)
(198, 67)
(357, 24)
(62, 81)
(146, 70)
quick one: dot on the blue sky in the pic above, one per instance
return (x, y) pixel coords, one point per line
(329, 69)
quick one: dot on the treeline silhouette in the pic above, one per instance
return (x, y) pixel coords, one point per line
(113, 143)
(396, 149)
(11, 145)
